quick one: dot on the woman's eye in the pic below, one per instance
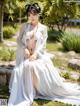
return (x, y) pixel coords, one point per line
(29, 15)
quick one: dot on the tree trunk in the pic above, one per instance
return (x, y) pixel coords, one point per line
(1, 23)
(20, 16)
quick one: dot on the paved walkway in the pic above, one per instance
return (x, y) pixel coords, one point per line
(73, 30)
(10, 43)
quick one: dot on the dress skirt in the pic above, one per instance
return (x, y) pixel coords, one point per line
(40, 79)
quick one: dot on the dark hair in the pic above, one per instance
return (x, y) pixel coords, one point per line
(33, 8)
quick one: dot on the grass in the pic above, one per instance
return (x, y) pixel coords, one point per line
(54, 46)
(2, 45)
(41, 102)
(4, 92)
(61, 61)
(11, 39)
(58, 62)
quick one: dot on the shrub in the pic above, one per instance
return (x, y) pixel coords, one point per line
(16, 27)
(8, 31)
(54, 35)
(11, 54)
(7, 54)
(71, 42)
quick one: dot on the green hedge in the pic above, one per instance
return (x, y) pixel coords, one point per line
(54, 35)
(71, 42)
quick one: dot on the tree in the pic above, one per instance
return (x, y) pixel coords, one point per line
(57, 12)
(4, 4)
(1, 21)
(20, 5)
(8, 6)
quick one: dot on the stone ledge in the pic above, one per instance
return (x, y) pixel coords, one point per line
(74, 63)
(5, 73)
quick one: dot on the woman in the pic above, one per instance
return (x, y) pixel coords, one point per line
(34, 75)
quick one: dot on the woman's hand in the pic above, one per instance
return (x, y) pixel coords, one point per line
(33, 57)
(26, 53)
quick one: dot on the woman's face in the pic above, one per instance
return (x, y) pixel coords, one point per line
(33, 18)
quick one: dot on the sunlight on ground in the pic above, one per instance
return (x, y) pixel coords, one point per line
(54, 46)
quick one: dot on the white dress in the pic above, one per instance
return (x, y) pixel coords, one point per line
(38, 78)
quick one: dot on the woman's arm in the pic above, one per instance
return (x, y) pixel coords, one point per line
(20, 45)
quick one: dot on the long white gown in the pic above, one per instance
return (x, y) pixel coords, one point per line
(38, 78)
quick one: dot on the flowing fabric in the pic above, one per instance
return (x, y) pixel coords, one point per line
(38, 78)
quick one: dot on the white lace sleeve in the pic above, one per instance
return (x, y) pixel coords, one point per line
(20, 36)
(41, 45)
(20, 46)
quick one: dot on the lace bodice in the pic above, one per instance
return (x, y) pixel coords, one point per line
(24, 37)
